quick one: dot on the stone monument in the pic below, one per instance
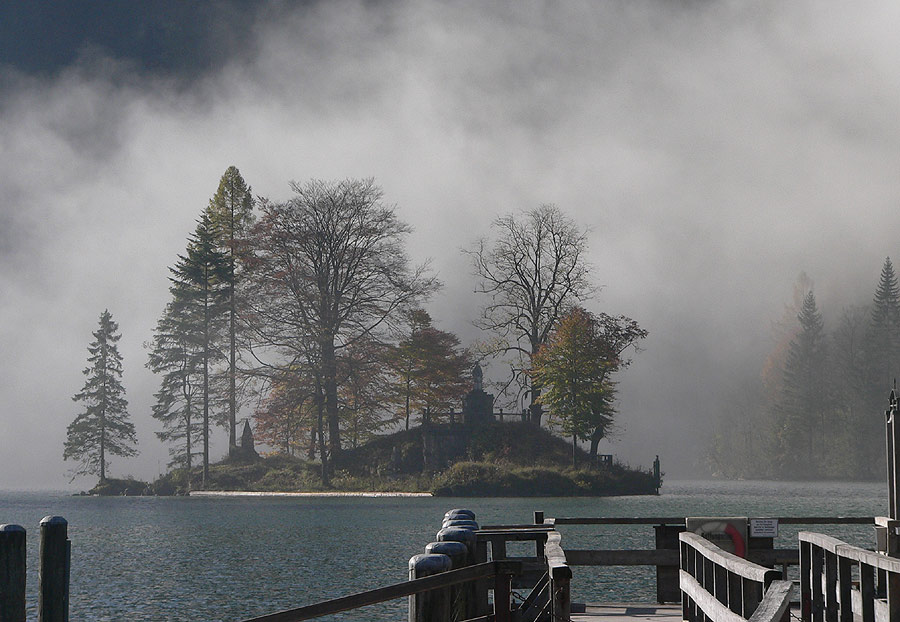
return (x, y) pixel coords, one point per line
(478, 406)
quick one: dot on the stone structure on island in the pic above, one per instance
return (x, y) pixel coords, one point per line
(245, 452)
(477, 406)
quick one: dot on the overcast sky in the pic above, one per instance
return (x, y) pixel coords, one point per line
(715, 150)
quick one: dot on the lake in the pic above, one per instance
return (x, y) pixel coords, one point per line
(180, 558)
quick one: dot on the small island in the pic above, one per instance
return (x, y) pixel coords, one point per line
(478, 453)
(304, 323)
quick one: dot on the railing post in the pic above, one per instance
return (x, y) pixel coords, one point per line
(667, 576)
(830, 595)
(539, 543)
(12, 573)
(806, 581)
(867, 592)
(845, 584)
(481, 586)
(560, 597)
(817, 602)
(434, 605)
(893, 597)
(751, 595)
(502, 591)
(53, 602)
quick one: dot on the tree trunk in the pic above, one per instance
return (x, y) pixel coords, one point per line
(329, 373)
(232, 399)
(232, 367)
(574, 451)
(311, 450)
(596, 436)
(206, 340)
(320, 424)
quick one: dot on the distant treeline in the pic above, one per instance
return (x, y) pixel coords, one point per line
(815, 411)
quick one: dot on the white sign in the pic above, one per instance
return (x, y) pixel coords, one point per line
(763, 527)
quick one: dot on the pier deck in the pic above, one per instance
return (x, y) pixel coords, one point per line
(626, 612)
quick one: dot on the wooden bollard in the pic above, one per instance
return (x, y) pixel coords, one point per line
(433, 605)
(12, 573)
(458, 522)
(475, 591)
(460, 513)
(459, 558)
(53, 598)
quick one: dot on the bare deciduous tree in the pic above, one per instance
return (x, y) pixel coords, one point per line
(532, 272)
(329, 268)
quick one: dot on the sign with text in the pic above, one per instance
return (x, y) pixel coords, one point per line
(763, 527)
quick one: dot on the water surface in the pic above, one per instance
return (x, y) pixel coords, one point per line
(180, 558)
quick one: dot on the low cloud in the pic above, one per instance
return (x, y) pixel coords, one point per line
(715, 150)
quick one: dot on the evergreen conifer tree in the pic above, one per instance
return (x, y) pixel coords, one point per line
(103, 429)
(805, 400)
(231, 214)
(199, 298)
(883, 335)
(176, 353)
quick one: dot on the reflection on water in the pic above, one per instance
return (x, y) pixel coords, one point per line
(228, 559)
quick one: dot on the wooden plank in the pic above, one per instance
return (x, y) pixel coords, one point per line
(512, 535)
(622, 557)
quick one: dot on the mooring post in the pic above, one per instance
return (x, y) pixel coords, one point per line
(433, 605)
(12, 573)
(459, 558)
(53, 598)
(470, 592)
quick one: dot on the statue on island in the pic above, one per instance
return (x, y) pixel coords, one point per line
(478, 406)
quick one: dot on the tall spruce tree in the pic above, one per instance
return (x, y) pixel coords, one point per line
(805, 399)
(176, 353)
(883, 335)
(231, 214)
(103, 429)
(199, 297)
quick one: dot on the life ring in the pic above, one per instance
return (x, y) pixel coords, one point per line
(720, 526)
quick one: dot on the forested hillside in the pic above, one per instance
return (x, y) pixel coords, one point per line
(815, 410)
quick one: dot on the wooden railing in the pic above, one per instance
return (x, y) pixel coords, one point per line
(546, 577)
(501, 572)
(721, 587)
(665, 557)
(842, 582)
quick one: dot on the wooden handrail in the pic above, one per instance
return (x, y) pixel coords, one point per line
(486, 570)
(679, 520)
(775, 603)
(839, 581)
(730, 562)
(718, 586)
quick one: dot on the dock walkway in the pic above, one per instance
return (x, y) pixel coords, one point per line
(626, 612)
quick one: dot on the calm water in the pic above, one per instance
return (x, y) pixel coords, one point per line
(228, 559)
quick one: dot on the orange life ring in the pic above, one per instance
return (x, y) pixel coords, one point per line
(720, 526)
